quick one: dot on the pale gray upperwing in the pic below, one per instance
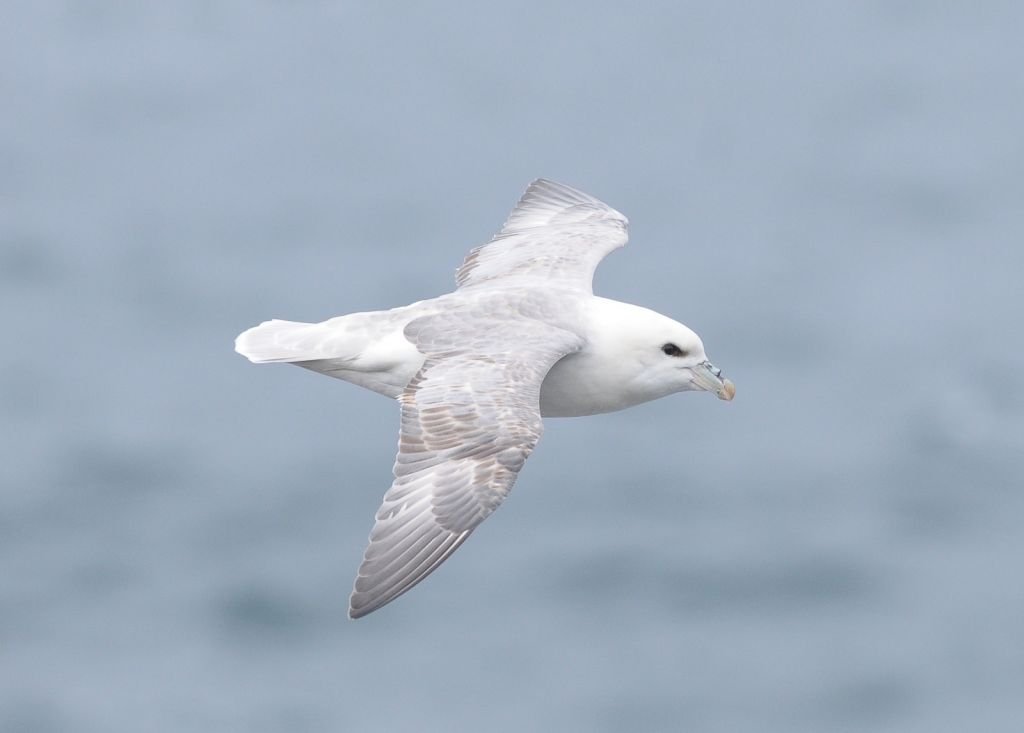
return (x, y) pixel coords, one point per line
(470, 418)
(555, 234)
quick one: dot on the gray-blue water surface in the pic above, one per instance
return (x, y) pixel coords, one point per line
(831, 194)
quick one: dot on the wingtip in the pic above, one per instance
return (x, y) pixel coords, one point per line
(549, 185)
(356, 612)
(360, 604)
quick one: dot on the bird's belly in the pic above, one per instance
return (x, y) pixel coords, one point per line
(575, 387)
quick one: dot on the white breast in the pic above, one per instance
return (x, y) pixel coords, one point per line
(582, 384)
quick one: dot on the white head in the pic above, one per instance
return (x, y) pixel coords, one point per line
(660, 356)
(632, 355)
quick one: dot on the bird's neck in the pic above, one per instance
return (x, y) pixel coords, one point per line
(603, 376)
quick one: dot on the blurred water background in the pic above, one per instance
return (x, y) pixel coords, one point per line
(830, 194)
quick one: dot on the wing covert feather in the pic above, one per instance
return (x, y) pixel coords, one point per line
(469, 420)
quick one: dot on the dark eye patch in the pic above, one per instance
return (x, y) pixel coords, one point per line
(673, 350)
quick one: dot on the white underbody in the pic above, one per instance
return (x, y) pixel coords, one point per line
(371, 350)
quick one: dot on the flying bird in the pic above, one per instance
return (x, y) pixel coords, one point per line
(522, 337)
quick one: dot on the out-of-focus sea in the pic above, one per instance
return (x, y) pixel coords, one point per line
(831, 194)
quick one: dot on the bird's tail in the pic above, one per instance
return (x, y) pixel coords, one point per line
(281, 341)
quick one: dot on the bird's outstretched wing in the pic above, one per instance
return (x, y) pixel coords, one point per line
(555, 234)
(470, 418)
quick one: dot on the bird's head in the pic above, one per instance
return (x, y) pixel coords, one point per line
(671, 357)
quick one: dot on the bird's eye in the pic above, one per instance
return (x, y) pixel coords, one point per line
(673, 350)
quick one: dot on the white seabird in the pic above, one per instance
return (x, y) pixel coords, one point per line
(521, 338)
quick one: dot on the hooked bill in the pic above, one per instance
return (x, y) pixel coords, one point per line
(728, 390)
